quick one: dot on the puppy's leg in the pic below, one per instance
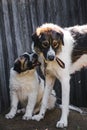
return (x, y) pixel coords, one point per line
(30, 106)
(65, 102)
(14, 103)
(48, 88)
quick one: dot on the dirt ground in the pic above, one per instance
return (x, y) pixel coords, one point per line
(76, 122)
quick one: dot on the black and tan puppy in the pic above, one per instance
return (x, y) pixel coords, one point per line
(26, 86)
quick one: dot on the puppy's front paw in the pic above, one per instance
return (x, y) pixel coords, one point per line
(9, 115)
(27, 117)
(61, 124)
(37, 117)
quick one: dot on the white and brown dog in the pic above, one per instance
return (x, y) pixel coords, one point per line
(64, 51)
(26, 86)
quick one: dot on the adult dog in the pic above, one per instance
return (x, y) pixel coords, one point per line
(26, 86)
(63, 51)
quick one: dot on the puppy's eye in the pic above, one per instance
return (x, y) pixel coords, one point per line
(55, 44)
(45, 44)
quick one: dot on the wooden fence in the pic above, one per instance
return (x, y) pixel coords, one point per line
(18, 19)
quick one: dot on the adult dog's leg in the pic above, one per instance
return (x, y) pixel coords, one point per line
(65, 101)
(14, 103)
(48, 88)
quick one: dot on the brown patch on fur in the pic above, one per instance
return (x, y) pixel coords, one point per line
(23, 65)
(59, 49)
(41, 30)
(48, 27)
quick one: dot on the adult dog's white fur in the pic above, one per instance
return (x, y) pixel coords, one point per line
(28, 89)
(55, 71)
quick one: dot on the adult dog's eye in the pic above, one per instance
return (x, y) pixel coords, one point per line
(55, 44)
(45, 44)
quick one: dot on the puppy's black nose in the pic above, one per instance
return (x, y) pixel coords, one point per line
(51, 57)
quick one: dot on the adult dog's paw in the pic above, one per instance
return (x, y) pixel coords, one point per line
(61, 124)
(37, 117)
(9, 115)
(27, 116)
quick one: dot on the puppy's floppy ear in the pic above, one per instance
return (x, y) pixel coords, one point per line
(17, 66)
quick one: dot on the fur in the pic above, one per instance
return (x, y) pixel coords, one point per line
(70, 41)
(27, 87)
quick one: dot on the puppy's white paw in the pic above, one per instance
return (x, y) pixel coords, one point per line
(61, 124)
(37, 117)
(27, 117)
(9, 115)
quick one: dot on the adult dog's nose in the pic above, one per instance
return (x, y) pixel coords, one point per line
(51, 57)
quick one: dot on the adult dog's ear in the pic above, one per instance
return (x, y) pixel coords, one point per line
(61, 35)
(34, 37)
(35, 43)
(62, 38)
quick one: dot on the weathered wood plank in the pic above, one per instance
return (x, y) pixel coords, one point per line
(7, 32)
(16, 27)
(4, 101)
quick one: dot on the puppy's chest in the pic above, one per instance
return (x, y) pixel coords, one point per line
(25, 82)
(24, 85)
(24, 89)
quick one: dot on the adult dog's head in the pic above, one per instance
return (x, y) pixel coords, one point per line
(48, 40)
(27, 61)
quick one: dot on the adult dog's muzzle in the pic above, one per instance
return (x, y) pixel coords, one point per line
(51, 54)
(51, 57)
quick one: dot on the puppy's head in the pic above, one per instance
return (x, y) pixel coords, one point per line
(48, 40)
(27, 61)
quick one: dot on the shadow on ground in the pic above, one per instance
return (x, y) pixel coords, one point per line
(76, 122)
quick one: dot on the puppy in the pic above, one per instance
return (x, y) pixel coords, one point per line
(64, 51)
(26, 86)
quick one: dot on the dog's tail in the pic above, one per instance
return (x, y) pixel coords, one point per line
(52, 100)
